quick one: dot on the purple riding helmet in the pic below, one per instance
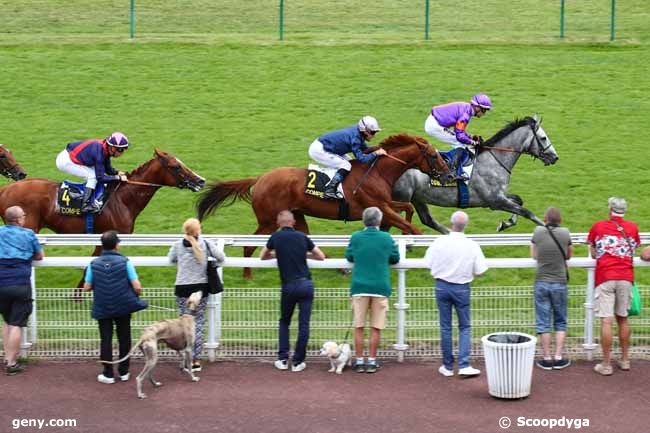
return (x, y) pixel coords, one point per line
(117, 139)
(482, 100)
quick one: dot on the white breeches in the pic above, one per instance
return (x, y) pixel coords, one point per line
(321, 156)
(432, 128)
(65, 164)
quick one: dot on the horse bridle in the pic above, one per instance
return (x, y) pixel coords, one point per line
(432, 171)
(6, 169)
(534, 127)
(181, 180)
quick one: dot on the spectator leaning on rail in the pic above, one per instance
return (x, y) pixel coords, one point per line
(330, 149)
(292, 248)
(191, 254)
(18, 247)
(116, 290)
(372, 251)
(454, 261)
(612, 243)
(551, 247)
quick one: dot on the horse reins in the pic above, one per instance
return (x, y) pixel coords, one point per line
(135, 182)
(508, 149)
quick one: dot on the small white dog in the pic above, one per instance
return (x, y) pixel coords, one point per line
(339, 355)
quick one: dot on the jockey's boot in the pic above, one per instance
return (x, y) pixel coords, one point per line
(456, 165)
(89, 205)
(332, 186)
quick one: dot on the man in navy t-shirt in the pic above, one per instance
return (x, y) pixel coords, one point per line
(292, 248)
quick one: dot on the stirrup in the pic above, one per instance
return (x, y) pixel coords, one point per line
(332, 195)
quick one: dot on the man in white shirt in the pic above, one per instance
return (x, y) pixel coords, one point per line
(454, 261)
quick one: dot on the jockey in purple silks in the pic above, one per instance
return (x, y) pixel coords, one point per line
(448, 123)
(91, 160)
(331, 149)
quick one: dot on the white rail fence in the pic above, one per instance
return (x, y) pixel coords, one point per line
(243, 322)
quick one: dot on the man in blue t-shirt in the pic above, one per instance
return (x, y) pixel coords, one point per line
(18, 247)
(292, 248)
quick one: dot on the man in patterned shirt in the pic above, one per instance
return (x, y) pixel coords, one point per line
(612, 243)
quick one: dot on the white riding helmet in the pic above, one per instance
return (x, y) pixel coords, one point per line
(368, 124)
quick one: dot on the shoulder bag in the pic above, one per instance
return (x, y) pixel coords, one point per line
(564, 254)
(214, 282)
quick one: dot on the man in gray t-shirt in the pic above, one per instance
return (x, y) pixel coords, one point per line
(551, 247)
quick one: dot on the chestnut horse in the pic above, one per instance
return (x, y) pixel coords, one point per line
(365, 186)
(8, 166)
(38, 197)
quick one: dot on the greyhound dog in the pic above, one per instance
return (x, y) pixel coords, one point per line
(178, 334)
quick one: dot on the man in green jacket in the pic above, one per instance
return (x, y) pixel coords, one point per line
(371, 251)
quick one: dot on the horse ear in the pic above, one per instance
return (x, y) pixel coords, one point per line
(536, 118)
(158, 153)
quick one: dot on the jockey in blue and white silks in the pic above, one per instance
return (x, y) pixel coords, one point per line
(91, 160)
(448, 123)
(331, 149)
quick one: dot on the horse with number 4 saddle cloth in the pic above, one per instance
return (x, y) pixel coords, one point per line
(69, 198)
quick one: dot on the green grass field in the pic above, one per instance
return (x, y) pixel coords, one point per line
(215, 87)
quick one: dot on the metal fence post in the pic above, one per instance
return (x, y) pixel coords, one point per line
(281, 20)
(214, 316)
(426, 20)
(25, 342)
(612, 27)
(401, 306)
(589, 344)
(132, 20)
(562, 19)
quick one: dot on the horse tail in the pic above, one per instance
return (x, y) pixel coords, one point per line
(219, 192)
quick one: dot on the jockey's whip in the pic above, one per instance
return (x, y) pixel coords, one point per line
(354, 191)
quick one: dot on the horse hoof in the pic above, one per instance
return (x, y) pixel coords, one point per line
(501, 227)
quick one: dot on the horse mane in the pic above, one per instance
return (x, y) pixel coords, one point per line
(401, 139)
(142, 167)
(509, 128)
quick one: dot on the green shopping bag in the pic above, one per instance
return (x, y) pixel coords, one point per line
(635, 302)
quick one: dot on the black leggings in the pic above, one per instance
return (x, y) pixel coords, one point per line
(123, 327)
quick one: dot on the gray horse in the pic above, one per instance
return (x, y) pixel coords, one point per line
(488, 185)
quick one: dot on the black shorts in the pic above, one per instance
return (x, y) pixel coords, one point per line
(16, 304)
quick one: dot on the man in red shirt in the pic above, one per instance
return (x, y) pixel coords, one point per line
(612, 243)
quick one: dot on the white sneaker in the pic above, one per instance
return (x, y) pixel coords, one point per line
(469, 371)
(299, 367)
(103, 379)
(125, 377)
(281, 364)
(443, 370)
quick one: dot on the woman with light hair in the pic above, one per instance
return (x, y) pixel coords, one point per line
(191, 254)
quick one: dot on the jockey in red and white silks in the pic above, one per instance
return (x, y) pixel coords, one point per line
(91, 160)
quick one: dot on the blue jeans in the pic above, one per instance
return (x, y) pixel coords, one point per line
(456, 295)
(550, 298)
(301, 293)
